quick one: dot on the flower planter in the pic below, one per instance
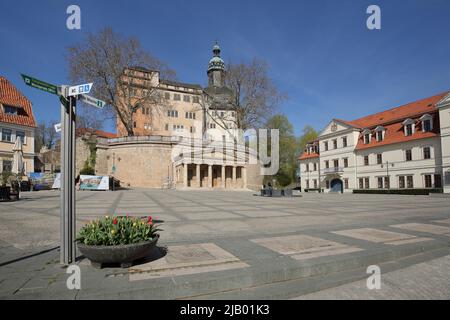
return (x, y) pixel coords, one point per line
(124, 255)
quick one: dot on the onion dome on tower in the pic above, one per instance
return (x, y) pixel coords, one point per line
(216, 69)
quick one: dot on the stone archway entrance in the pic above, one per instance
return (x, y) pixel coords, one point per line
(337, 186)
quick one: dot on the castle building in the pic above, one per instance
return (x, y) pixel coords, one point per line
(184, 136)
(407, 147)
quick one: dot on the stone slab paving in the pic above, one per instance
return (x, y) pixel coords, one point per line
(445, 221)
(301, 247)
(187, 259)
(426, 280)
(216, 240)
(381, 236)
(425, 228)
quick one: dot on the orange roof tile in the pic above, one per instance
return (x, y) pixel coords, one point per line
(99, 133)
(395, 134)
(392, 120)
(409, 110)
(305, 156)
(9, 95)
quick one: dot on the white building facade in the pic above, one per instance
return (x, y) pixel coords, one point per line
(407, 147)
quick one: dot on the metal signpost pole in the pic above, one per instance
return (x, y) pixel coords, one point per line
(63, 248)
(68, 97)
(68, 249)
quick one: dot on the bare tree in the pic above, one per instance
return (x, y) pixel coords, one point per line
(45, 135)
(255, 96)
(88, 118)
(107, 60)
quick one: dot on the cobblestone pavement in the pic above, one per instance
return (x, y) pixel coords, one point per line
(224, 241)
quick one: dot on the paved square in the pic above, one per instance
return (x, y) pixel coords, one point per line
(380, 236)
(426, 228)
(302, 247)
(209, 235)
(445, 221)
(187, 259)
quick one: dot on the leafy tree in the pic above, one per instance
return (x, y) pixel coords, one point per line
(287, 150)
(308, 135)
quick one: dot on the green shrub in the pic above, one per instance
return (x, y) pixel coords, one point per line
(87, 170)
(110, 231)
(399, 191)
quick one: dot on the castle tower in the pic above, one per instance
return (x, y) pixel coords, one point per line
(216, 69)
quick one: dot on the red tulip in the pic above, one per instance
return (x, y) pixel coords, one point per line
(115, 221)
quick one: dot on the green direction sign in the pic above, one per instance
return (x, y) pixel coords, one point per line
(64, 101)
(92, 101)
(41, 85)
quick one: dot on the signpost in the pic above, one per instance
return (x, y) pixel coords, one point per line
(58, 127)
(41, 85)
(80, 89)
(92, 101)
(68, 97)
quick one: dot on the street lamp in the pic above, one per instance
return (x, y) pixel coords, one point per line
(388, 164)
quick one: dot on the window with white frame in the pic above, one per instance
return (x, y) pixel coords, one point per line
(408, 127)
(344, 142)
(427, 152)
(367, 136)
(379, 132)
(6, 135)
(21, 135)
(427, 123)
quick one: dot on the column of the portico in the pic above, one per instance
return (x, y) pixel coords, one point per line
(234, 182)
(244, 177)
(209, 176)
(185, 175)
(223, 176)
(197, 175)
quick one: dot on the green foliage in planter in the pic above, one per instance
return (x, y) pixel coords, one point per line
(110, 231)
(5, 177)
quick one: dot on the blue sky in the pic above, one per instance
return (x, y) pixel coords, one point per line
(320, 52)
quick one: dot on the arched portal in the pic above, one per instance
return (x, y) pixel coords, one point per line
(337, 186)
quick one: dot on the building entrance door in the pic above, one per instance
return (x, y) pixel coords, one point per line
(215, 175)
(337, 186)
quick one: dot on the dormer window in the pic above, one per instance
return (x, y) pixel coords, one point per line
(7, 109)
(367, 136)
(379, 132)
(408, 127)
(427, 123)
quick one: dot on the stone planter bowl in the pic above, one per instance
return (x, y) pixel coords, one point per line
(124, 255)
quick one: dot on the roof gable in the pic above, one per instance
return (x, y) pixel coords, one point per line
(9, 95)
(334, 126)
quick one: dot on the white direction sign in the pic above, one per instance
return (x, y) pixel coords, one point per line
(58, 127)
(92, 101)
(80, 89)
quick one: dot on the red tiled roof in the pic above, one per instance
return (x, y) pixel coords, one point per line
(9, 95)
(98, 133)
(395, 134)
(392, 120)
(305, 156)
(409, 110)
